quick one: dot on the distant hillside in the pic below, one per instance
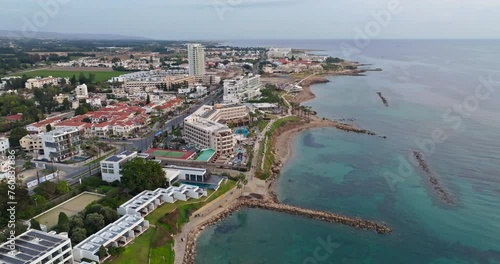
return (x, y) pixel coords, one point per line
(54, 35)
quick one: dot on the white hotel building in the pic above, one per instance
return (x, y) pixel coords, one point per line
(203, 129)
(37, 247)
(242, 89)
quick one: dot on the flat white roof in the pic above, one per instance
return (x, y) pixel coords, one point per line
(141, 200)
(170, 174)
(146, 198)
(109, 233)
(185, 168)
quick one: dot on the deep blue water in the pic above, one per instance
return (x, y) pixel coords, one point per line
(435, 89)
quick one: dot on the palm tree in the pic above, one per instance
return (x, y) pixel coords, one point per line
(242, 181)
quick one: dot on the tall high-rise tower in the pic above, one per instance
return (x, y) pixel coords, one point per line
(196, 58)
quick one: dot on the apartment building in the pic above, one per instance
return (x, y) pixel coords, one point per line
(31, 143)
(140, 85)
(61, 144)
(37, 247)
(82, 92)
(229, 112)
(4, 145)
(40, 82)
(196, 59)
(188, 81)
(200, 91)
(242, 89)
(110, 167)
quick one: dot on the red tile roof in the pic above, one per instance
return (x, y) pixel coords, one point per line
(16, 117)
(46, 122)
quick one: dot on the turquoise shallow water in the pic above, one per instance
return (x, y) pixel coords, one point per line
(347, 173)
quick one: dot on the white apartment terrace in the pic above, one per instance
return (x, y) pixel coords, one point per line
(147, 201)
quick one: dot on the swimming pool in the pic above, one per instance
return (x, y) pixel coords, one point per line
(202, 185)
(242, 131)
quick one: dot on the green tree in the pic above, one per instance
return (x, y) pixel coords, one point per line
(28, 165)
(76, 222)
(62, 187)
(148, 100)
(66, 104)
(102, 253)
(109, 214)
(15, 135)
(333, 60)
(81, 110)
(93, 223)
(81, 78)
(46, 189)
(48, 127)
(141, 174)
(39, 200)
(63, 222)
(78, 235)
(35, 225)
(73, 80)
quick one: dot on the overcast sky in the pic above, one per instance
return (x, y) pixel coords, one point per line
(257, 19)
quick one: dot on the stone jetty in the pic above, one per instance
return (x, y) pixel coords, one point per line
(352, 128)
(383, 99)
(443, 194)
(270, 204)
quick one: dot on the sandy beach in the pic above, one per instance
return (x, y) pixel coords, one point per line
(284, 142)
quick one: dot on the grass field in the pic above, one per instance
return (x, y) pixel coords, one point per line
(70, 208)
(100, 76)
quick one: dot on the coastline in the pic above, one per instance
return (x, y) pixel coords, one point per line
(282, 142)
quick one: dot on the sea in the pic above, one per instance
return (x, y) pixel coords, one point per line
(443, 101)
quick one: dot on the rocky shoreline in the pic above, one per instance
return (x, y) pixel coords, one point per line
(383, 99)
(443, 194)
(270, 204)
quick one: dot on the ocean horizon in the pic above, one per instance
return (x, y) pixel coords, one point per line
(443, 98)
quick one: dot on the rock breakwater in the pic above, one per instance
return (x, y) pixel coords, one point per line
(443, 194)
(383, 99)
(251, 202)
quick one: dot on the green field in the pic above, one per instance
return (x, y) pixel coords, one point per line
(100, 76)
